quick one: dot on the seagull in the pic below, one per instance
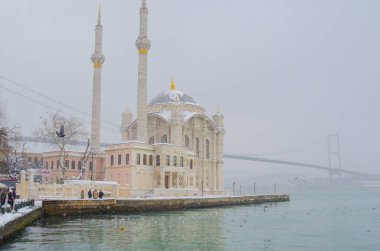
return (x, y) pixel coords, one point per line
(61, 133)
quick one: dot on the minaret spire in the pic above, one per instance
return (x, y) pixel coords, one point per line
(100, 16)
(143, 45)
(97, 59)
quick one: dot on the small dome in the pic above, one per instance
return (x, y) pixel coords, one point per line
(172, 96)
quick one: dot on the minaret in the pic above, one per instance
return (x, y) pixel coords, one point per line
(143, 45)
(97, 59)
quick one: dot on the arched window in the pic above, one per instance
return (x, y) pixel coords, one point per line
(111, 160)
(197, 146)
(187, 141)
(191, 164)
(151, 140)
(119, 159)
(138, 159)
(127, 159)
(175, 161)
(207, 149)
(164, 139)
(151, 160)
(167, 160)
(144, 159)
(157, 160)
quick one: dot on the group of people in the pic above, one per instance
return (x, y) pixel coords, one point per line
(11, 194)
(95, 194)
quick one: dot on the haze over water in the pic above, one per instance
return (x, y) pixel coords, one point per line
(313, 220)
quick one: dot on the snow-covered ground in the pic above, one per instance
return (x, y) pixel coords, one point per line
(7, 217)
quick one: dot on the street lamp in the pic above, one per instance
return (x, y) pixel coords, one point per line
(233, 187)
(254, 187)
(92, 165)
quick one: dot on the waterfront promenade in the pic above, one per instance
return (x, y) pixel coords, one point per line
(122, 206)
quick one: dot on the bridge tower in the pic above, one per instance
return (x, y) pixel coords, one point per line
(333, 145)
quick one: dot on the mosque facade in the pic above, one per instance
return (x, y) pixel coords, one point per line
(172, 148)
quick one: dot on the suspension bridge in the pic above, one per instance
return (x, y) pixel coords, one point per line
(331, 170)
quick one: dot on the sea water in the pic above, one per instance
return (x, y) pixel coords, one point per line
(337, 219)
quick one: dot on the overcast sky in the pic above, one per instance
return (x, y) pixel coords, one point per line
(284, 73)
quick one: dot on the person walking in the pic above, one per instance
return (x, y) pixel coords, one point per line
(101, 194)
(11, 200)
(95, 194)
(89, 194)
(14, 193)
(82, 194)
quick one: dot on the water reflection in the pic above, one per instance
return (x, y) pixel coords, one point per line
(191, 230)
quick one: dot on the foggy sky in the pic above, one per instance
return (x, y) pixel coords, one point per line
(284, 73)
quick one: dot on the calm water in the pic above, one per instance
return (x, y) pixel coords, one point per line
(335, 220)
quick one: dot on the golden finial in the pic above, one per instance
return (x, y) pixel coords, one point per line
(172, 85)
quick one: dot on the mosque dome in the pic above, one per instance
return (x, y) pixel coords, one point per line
(172, 96)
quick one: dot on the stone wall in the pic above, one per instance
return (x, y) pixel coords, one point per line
(13, 227)
(74, 207)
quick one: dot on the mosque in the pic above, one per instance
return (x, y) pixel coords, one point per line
(172, 148)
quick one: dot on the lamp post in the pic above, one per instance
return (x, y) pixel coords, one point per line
(233, 187)
(275, 188)
(92, 165)
(254, 187)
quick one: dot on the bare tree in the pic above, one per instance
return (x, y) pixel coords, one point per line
(15, 157)
(84, 160)
(73, 132)
(11, 149)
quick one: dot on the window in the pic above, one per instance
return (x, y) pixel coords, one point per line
(127, 159)
(73, 164)
(175, 161)
(67, 163)
(187, 141)
(46, 165)
(181, 161)
(167, 160)
(119, 159)
(151, 140)
(30, 160)
(197, 147)
(35, 160)
(144, 159)
(91, 165)
(157, 160)
(52, 164)
(151, 160)
(138, 159)
(191, 164)
(111, 160)
(207, 149)
(164, 139)
(79, 165)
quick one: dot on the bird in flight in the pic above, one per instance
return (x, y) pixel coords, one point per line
(61, 133)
